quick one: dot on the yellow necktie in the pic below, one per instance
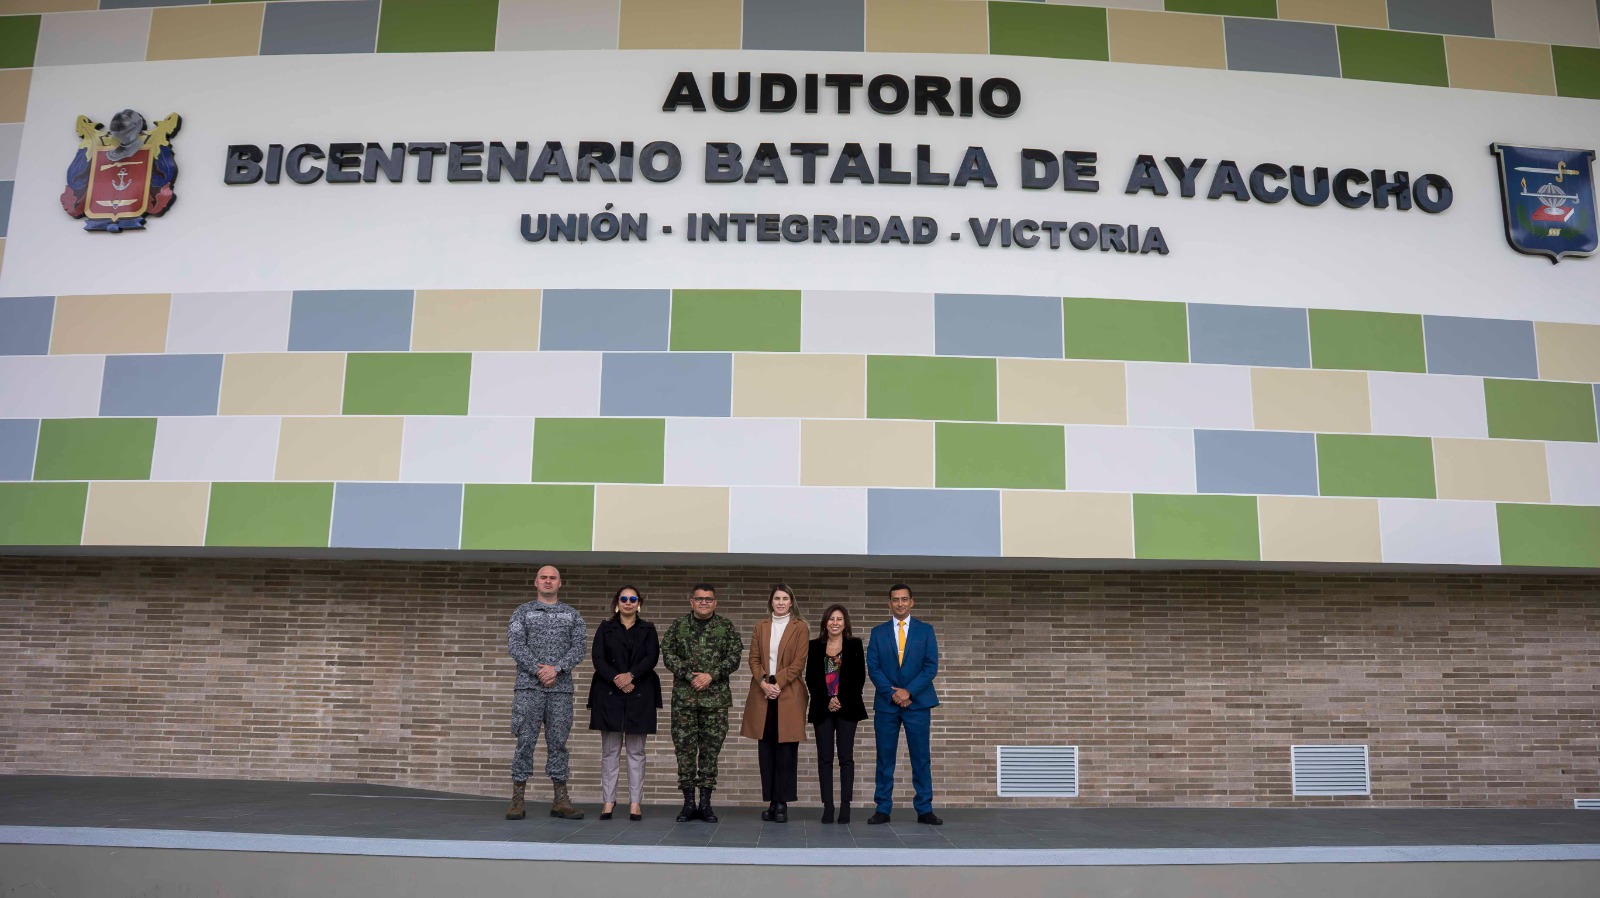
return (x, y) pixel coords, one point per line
(900, 639)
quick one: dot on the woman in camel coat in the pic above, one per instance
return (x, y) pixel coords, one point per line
(775, 712)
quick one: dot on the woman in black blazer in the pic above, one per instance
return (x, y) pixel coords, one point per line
(836, 672)
(624, 696)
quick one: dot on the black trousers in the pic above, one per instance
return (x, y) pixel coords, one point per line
(780, 761)
(832, 729)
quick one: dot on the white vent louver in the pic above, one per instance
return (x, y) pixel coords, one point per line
(1586, 804)
(1037, 771)
(1330, 770)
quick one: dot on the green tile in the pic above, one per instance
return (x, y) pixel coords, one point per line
(1577, 71)
(1540, 410)
(1549, 535)
(1062, 32)
(528, 516)
(599, 450)
(1199, 528)
(19, 35)
(95, 449)
(1367, 341)
(1000, 456)
(1257, 9)
(417, 26)
(1361, 465)
(1372, 54)
(407, 383)
(728, 320)
(932, 388)
(1126, 329)
(292, 515)
(42, 514)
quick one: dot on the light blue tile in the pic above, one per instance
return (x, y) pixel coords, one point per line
(1474, 17)
(605, 319)
(933, 522)
(396, 515)
(1255, 462)
(1483, 346)
(333, 320)
(1249, 335)
(151, 385)
(997, 325)
(813, 25)
(5, 206)
(651, 384)
(18, 440)
(1268, 45)
(25, 325)
(320, 27)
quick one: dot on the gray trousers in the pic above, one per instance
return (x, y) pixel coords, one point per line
(611, 745)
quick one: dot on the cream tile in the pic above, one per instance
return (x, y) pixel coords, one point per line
(14, 84)
(1480, 64)
(1051, 391)
(1570, 22)
(1039, 524)
(1315, 401)
(135, 513)
(681, 25)
(203, 32)
(927, 26)
(1568, 351)
(1499, 470)
(133, 322)
(794, 385)
(1305, 528)
(557, 25)
(445, 320)
(325, 449)
(866, 453)
(23, 7)
(1365, 13)
(282, 383)
(660, 518)
(1164, 38)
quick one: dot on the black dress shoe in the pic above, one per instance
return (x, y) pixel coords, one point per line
(930, 818)
(827, 813)
(605, 815)
(780, 814)
(771, 812)
(844, 812)
(877, 818)
(636, 817)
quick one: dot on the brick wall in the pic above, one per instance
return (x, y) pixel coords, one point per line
(1181, 688)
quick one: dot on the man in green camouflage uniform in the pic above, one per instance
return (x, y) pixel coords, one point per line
(702, 650)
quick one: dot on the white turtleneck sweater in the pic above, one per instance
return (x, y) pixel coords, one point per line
(779, 624)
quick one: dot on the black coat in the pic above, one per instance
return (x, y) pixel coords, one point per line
(619, 649)
(852, 679)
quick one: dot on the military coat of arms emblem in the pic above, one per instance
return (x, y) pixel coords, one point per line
(1547, 195)
(122, 174)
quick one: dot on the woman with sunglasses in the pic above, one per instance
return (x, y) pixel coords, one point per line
(624, 696)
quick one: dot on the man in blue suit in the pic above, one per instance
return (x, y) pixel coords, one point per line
(902, 660)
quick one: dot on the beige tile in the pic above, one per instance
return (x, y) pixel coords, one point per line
(1498, 470)
(14, 85)
(1365, 13)
(1568, 351)
(282, 383)
(927, 26)
(682, 25)
(1052, 391)
(475, 320)
(660, 518)
(1038, 524)
(203, 32)
(1304, 528)
(1167, 38)
(1316, 401)
(1569, 22)
(131, 322)
(866, 453)
(134, 513)
(23, 7)
(324, 449)
(793, 385)
(1480, 64)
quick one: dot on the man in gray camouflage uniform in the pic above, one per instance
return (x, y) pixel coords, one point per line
(547, 639)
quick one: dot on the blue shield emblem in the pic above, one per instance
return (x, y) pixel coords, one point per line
(1547, 195)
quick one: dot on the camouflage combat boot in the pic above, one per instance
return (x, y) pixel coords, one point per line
(516, 811)
(561, 806)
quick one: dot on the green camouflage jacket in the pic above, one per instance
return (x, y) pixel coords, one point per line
(716, 652)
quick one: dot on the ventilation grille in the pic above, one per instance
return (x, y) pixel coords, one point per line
(1037, 771)
(1586, 804)
(1330, 770)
